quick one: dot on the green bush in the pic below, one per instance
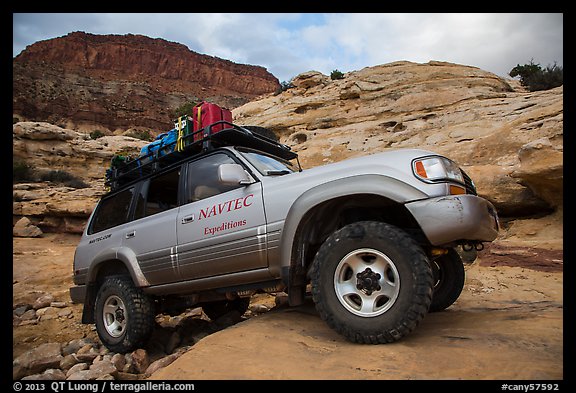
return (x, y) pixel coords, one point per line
(76, 183)
(96, 134)
(534, 78)
(184, 109)
(56, 176)
(63, 177)
(22, 172)
(283, 87)
(336, 75)
(144, 135)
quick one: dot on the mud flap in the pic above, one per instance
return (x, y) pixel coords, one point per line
(89, 304)
(296, 295)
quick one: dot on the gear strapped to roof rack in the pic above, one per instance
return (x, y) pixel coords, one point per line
(184, 145)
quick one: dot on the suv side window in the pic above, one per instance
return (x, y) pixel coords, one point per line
(112, 211)
(203, 177)
(158, 194)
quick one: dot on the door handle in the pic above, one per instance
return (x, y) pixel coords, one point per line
(130, 234)
(187, 219)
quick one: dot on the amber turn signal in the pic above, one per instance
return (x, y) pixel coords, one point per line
(457, 190)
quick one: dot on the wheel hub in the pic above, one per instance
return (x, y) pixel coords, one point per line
(114, 316)
(368, 281)
(119, 315)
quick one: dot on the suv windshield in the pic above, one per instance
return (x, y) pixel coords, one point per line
(268, 165)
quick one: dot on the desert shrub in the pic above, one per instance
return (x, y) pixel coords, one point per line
(144, 135)
(336, 75)
(76, 183)
(534, 78)
(63, 177)
(283, 87)
(96, 134)
(22, 172)
(184, 109)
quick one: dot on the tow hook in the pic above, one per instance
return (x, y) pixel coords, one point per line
(478, 246)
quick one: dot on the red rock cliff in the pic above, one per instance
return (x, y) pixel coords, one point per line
(120, 81)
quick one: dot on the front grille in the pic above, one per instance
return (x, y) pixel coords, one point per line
(470, 188)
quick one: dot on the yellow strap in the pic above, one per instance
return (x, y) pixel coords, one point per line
(180, 141)
(199, 118)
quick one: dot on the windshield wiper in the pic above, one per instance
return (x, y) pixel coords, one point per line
(274, 173)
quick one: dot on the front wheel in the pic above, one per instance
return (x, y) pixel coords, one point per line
(124, 315)
(449, 278)
(371, 282)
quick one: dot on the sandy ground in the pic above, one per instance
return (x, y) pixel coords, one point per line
(507, 324)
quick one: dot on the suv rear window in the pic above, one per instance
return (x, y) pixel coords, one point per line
(112, 211)
(159, 194)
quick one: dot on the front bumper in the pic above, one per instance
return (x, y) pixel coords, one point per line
(456, 218)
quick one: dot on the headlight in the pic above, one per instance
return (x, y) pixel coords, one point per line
(436, 168)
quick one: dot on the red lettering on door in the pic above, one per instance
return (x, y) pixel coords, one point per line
(218, 209)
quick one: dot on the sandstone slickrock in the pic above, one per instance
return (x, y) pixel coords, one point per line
(541, 169)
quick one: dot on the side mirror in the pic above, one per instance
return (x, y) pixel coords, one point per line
(233, 174)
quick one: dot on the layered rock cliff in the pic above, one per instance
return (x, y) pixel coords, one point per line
(115, 82)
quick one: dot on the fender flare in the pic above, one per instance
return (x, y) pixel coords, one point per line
(381, 185)
(128, 259)
(123, 254)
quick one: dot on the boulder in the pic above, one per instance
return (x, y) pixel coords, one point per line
(37, 360)
(25, 228)
(541, 169)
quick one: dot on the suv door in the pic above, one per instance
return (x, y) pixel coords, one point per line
(152, 233)
(223, 228)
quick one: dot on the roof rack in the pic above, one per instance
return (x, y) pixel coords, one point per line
(127, 170)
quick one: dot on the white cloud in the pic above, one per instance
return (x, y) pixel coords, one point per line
(288, 44)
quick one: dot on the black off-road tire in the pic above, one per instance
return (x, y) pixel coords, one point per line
(399, 279)
(449, 277)
(124, 315)
(215, 310)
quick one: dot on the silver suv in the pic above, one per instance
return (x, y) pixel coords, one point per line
(373, 239)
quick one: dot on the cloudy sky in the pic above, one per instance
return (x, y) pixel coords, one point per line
(289, 44)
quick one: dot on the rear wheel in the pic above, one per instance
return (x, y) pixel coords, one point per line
(371, 282)
(449, 278)
(124, 315)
